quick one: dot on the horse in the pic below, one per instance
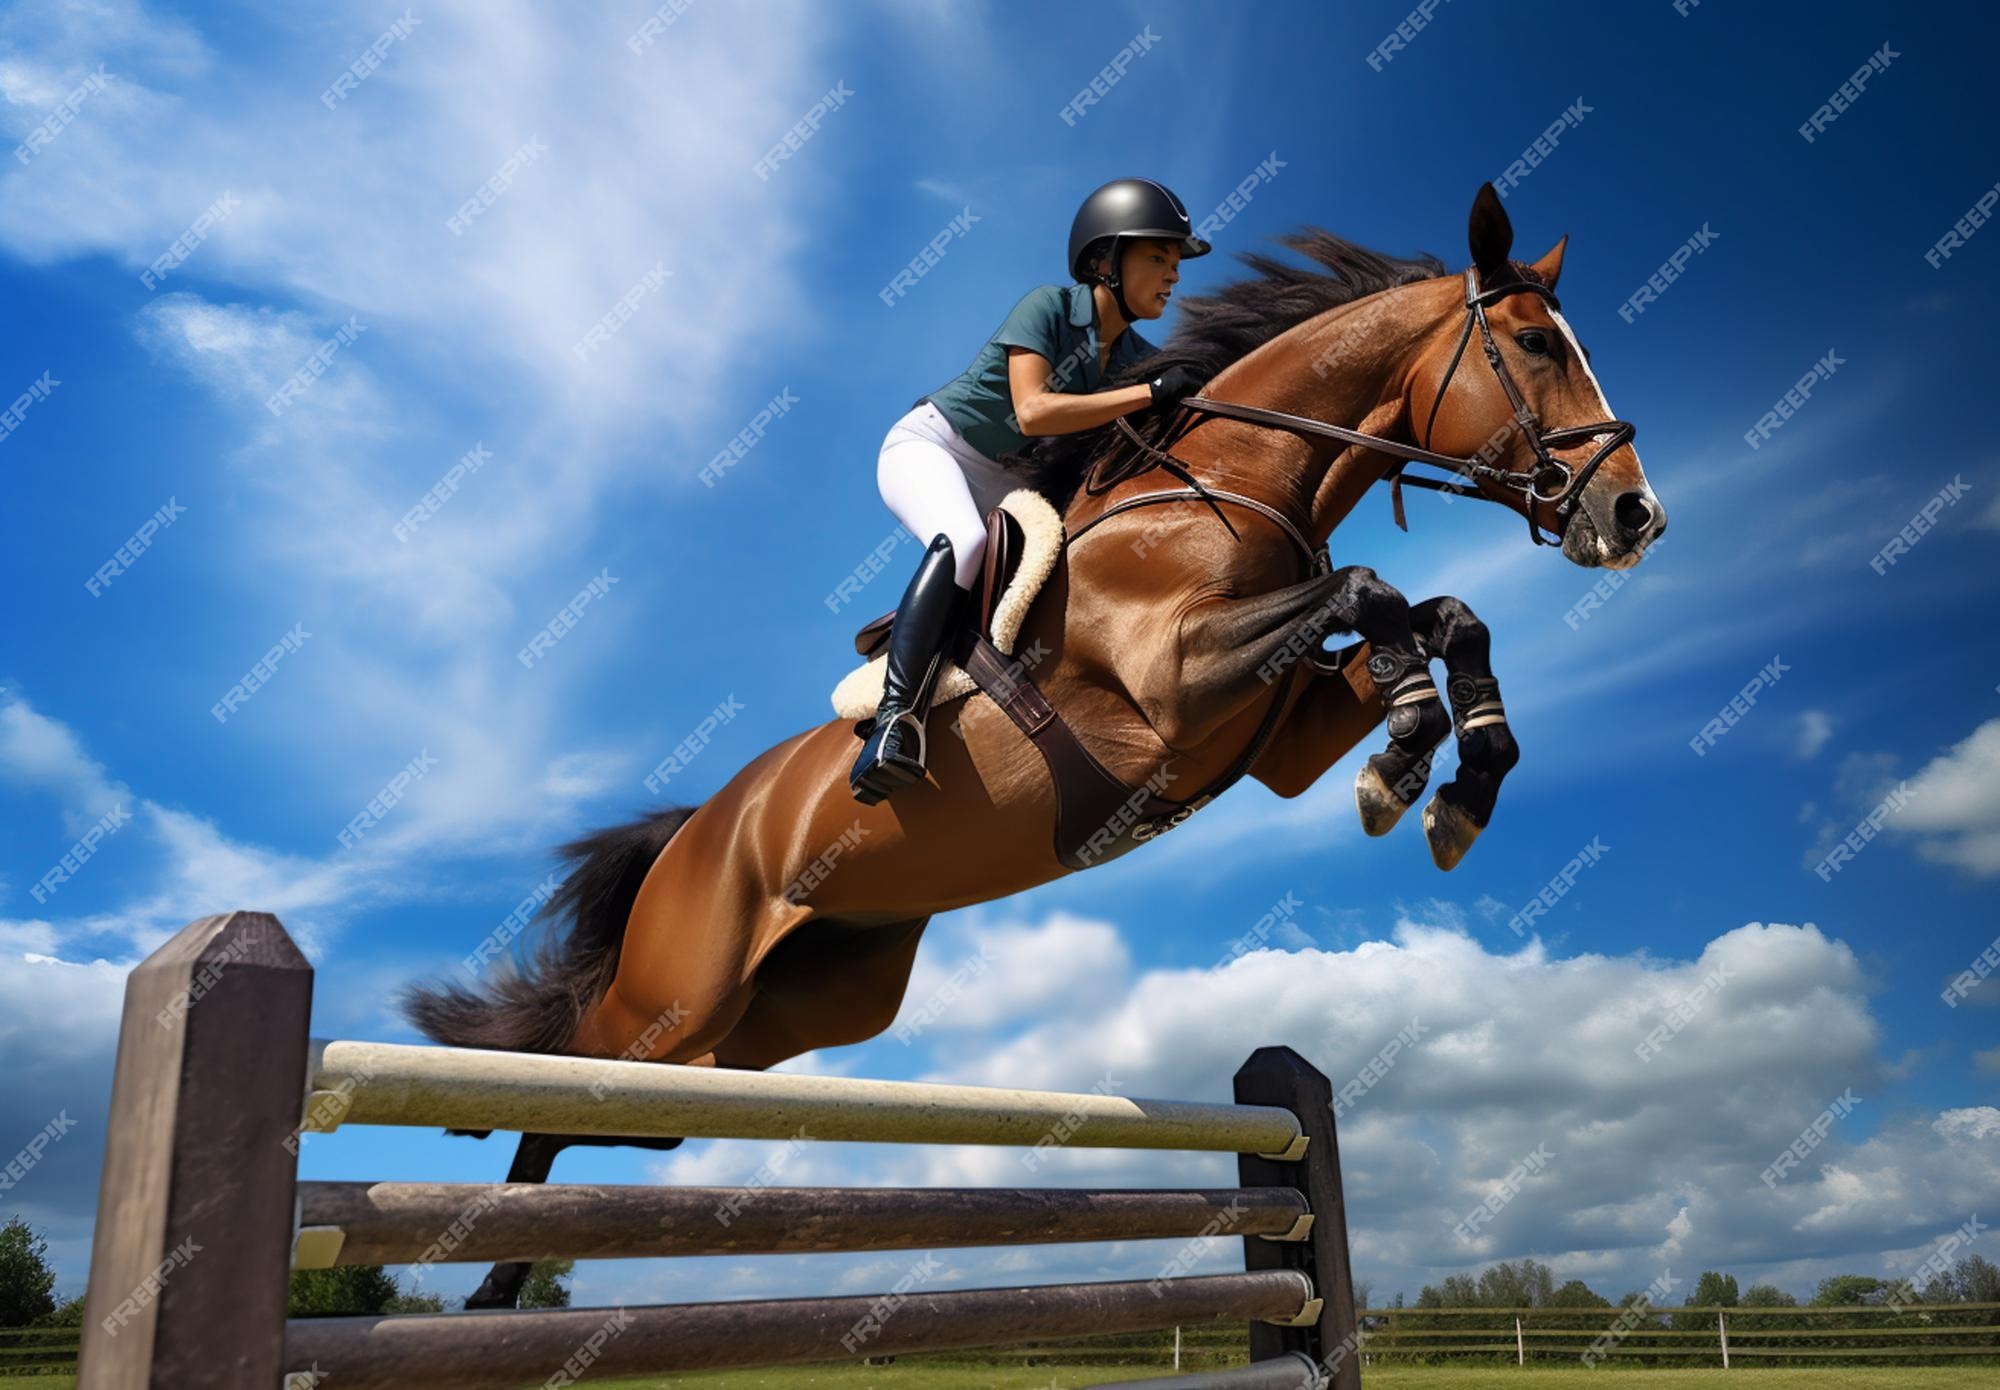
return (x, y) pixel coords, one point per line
(779, 915)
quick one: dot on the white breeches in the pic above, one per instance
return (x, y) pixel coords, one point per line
(934, 481)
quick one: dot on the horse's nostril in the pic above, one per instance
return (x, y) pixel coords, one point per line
(1632, 513)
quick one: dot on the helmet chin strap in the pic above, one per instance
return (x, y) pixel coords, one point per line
(1115, 283)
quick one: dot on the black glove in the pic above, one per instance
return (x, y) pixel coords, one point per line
(1175, 384)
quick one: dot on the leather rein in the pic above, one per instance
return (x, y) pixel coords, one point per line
(1550, 481)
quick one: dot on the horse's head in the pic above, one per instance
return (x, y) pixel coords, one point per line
(1535, 419)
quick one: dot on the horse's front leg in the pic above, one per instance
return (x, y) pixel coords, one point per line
(1486, 747)
(1390, 678)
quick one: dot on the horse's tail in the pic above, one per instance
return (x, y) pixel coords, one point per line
(535, 1004)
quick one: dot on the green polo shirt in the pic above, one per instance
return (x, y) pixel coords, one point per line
(1058, 323)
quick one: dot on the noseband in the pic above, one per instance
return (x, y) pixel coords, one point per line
(1550, 481)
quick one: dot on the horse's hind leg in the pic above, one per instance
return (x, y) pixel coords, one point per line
(1486, 747)
(535, 1155)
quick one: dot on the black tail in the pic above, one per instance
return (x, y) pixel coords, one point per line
(534, 1004)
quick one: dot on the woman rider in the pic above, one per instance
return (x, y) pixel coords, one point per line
(1037, 375)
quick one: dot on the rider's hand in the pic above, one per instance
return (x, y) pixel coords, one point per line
(1175, 384)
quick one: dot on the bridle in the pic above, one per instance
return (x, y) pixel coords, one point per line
(1550, 481)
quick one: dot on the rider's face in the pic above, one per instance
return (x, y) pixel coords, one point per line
(1150, 272)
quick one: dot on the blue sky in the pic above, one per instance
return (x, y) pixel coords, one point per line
(642, 164)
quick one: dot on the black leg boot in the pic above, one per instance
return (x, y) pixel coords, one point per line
(893, 755)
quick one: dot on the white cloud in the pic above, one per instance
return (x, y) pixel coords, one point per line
(1815, 729)
(1955, 804)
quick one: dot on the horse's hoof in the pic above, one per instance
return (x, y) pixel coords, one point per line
(1377, 804)
(1450, 832)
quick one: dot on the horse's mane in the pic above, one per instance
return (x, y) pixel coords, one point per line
(1219, 328)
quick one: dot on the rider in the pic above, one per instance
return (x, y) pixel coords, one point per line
(1037, 375)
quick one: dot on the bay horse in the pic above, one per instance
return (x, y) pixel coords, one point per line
(779, 915)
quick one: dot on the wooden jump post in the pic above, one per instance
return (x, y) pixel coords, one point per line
(201, 1215)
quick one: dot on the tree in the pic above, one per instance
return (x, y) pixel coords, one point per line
(1767, 1296)
(25, 1276)
(1973, 1279)
(414, 1303)
(1457, 1291)
(1529, 1284)
(1845, 1290)
(1712, 1290)
(545, 1288)
(344, 1291)
(1577, 1294)
(1362, 1288)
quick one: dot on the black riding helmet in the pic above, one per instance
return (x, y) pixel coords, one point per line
(1126, 208)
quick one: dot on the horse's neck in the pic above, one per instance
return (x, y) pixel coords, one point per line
(1347, 367)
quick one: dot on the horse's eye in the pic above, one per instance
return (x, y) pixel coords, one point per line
(1533, 340)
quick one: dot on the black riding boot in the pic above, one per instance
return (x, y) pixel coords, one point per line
(893, 755)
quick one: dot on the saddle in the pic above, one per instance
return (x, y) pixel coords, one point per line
(1099, 815)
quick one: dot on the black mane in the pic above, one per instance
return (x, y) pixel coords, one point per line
(1217, 329)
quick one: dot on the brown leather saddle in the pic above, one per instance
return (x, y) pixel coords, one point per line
(1099, 815)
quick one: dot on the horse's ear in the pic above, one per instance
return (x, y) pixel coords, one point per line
(1491, 234)
(1550, 267)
